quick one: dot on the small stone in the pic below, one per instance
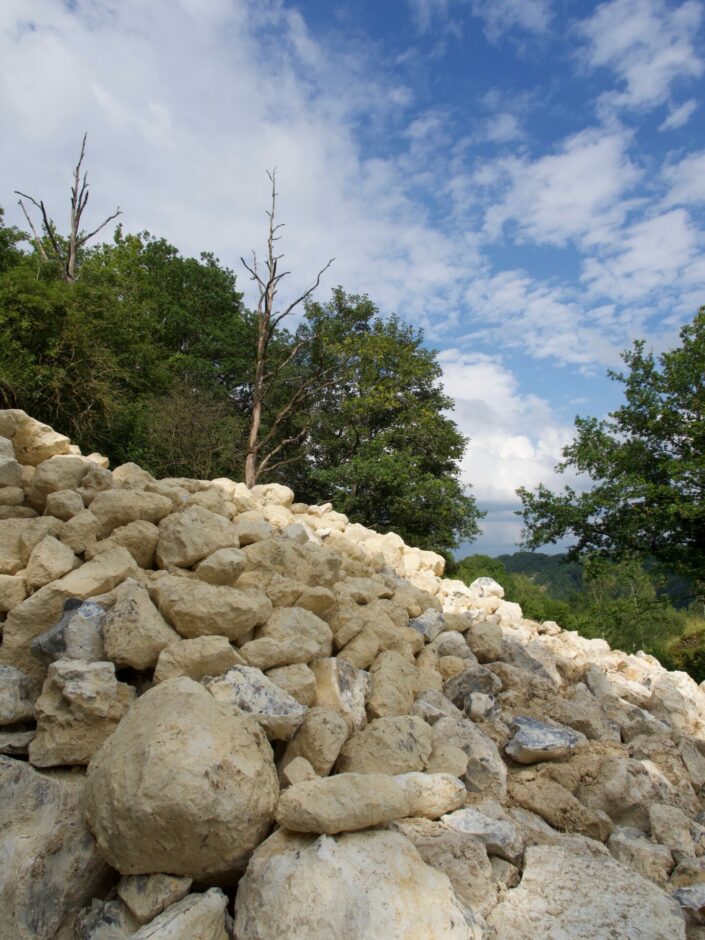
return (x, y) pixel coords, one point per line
(297, 680)
(534, 741)
(486, 772)
(224, 566)
(432, 705)
(80, 531)
(343, 689)
(63, 504)
(105, 920)
(50, 560)
(197, 658)
(148, 895)
(430, 624)
(499, 836)
(670, 826)
(474, 678)
(249, 692)
(134, 632)
(78, 635)
(13, 591)
(319, 740)
(16, 696)
(297, 771)
(195, 917)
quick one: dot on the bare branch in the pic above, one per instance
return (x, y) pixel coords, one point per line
(306, 294)
(37, 240)
(280, 446)
(84, 238)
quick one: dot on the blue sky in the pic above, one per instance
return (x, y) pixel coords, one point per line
(525, 179)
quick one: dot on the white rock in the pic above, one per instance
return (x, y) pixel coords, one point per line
(195, 917)
(499, 836)
(249, 692)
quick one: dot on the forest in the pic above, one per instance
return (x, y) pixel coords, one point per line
(145, 355)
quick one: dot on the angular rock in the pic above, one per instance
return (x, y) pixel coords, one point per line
(195, 917)
(567, 895)
(183, 786)
(195, 608)
(296, 624)
(631, 847)
(224, 566)
(432, 705)
(188, 536)
(319, 740)
(352, 887)
(103, 920)
(17, 696)
(148, 895)
(10, 472)
(13, 591)
(342, 688)
(394, 745)
(298, 680)
(692, 902)
(272, 652)
(81, 705)
(113, 508)
(196, 658)
(557, 805)
(50, 560)
(473, 678)
(134, 632)
(535, 741)
(78, 635)
(249, 692)
(59, 473)
(297, 771)
(485, 772)
(499, 836)
(430, 624)
(15, 743)
(80, 531)
(670, 826)
(139, 538)
(51, 866)
(395, 682)
(64, 504)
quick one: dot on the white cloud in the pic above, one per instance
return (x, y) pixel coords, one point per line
(573, 193)
(502, 128)
(679, 117)
(649, 44)
(686, 180)
(502, 16)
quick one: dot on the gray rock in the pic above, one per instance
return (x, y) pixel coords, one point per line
(16, 696)
(78, 635)
(50, 863)
(15, 743)
(534, 741)
(692, 902)
(499, 836)
(250, 692)
(195, 917)
(486, 772)
(475, 678)
(429, 624)
(105, 920)
(432, 705)
(650, 859)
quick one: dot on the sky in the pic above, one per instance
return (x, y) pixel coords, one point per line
(523, 179)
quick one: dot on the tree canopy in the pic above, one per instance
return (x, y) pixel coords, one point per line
(646, 461)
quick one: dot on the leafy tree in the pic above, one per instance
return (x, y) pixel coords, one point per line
(647, 463)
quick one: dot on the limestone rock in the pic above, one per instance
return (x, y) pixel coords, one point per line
(351, 887)
(80, 706)
(64, 504)
(195, 917)
(486, 772)
(294, 624)
(249, 692)
(499, 835)
(297, 771)
(342, 688)
(148, 895)
(117, 507)
(134, 632)
(77, 635)
(80, 531)
(298, 680)
(189, 536)
(32, 441)
(342, 803)
(224, 566)
(102, 920)
(50, 560)
(139, 538)
(557, 805)
(196, 658)
(429, 624)
(51, 866)
(394, 685)
(269, 652)
(59, 473)
(319, 740)
(394, 745)
(16, 696)
(195, 608)
(431, 795)
(671, 827)
(692, 902)
(13, 591)
(631, 847)
(10, 473)
(432, 705)
(16, 743)
(567, 895)
(474, 678)
(183, 786)
(535, 741)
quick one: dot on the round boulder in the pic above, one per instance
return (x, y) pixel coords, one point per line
(183, 786)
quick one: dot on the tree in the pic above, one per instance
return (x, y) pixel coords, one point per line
(261, 448)
(51, 246)
(647, 464)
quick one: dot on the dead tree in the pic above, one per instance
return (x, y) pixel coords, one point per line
(52, 247)
(261, 449)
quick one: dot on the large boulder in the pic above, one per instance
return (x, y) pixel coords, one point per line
(352, 887)
(189, 536)
(195, 608)
(183, 786)
(50, 864)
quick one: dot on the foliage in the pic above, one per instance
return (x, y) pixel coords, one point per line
(647, 463)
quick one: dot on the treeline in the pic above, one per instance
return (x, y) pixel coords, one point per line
(149, 356)
(629, 603)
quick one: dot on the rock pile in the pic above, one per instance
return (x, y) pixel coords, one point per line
(225, 714)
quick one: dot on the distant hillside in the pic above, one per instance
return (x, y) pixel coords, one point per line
(560, 577)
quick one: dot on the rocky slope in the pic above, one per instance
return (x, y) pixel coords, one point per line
(227, 714)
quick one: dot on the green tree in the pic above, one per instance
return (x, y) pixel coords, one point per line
(647, 464)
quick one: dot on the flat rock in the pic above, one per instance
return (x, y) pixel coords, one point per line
(499, 836)
(535, 741)
(356, 886)
(249, 692)
(195, 917)
(148, 895)
(567, 895)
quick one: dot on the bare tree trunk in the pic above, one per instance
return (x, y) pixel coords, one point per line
(267, 322)
(54, 251)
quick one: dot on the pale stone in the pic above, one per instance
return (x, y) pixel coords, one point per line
(102, 920)
(499, 836)
(80, 706)
(273, 493)
(183, 786)
(650, 859)
(298, 680)
(487, 587)
(297, 624)
(196, 658)
(134, 632)
(13, 590)
(536, 831)
(691, 756)
(51, 866)
(474, 678)
(113, 508)
(297, 771)
(459, 856)
(224, 566)
(393, 745)
(249, 692)
(16, 696)
(670, 826)
(429, 624)
(77, 635)
(431, 795)
(343, 689)
(557, 805)
(99, 575)
(432, 705)
(689, 871)
(63, 504)
(195, 917)
(148, 895)
(319, 740)
(534, 741)
(139, 538)
(394, 685)
(16, 743)
(32, 441)
(11, 495)
(342, 803)
(567, 895)
(195, 608)
(486, 772)
(270, 652)
(250, 531)
(49, 561)
(356, 886)
(80, 532)
(189, 536)
(479, 706)
(10, 472)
